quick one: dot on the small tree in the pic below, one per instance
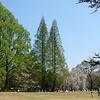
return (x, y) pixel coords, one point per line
(90, 69)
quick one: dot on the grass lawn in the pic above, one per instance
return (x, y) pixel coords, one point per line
(47, 96)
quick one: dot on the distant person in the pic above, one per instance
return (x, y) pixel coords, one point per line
(99, 91)
(18, 91)
(57, 90)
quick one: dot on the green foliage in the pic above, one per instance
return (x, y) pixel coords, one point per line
(40, 50)
(96, 82)
(14, 44)
(43, 67)
(56, 61)
(49, 53)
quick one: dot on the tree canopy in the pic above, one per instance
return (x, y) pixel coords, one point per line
(92, 3)
(44, 67)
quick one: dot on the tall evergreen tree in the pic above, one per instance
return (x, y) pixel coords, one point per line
(56, 60)
(40, 50)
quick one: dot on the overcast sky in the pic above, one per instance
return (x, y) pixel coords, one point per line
(79, 29)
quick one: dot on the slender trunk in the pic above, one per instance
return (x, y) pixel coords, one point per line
(43, 65)
(91, 85)
(54, 61)
(6, 77)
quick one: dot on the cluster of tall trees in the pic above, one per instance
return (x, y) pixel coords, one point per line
(49, 51)
(42, 67)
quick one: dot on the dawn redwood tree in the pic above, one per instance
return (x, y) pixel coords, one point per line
(14, 45)
(40, 50)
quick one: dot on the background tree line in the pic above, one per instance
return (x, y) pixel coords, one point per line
(42, 67)
(86, 75)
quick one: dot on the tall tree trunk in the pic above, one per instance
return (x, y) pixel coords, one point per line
(54, 61)
(43, 65)
(91, 85)
(6, 76)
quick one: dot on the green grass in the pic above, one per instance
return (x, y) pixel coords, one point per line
(48, 96)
